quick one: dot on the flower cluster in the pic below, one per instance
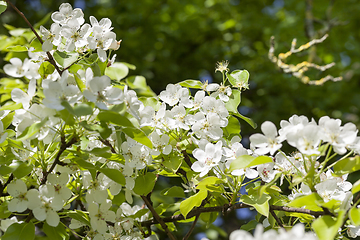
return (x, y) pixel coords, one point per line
(78, 144)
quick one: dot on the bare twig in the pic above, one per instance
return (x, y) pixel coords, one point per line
(300, 69)
(51, 59)
(192, 228)
(2, 187)
(158, 218)
(276, 218)
(63, 147)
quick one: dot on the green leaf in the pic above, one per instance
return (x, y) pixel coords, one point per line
(249, 226)
(174, 191)
(246, 119)
(32, 130)
(261, 204)
(80, 216)
(83, 109)
(194, 201)
(234, 101)
(65, 59)
(22, 170)
(20, 231)
(326, 227)
(308, 202)
(43, 21)
(356, 187)
(55, 233)
(347, 165)
(239, 78)
(144, 184)
(12, 106)
(354, 215)
(210, 183)
(192, 84)
(46, 68)
(17, 48)
(138, 136)
(138, 83)
(3, 6)
(117, 71)
(7, 120)
(233, 127)
(114, 118)
(246, 161)
(114, 175)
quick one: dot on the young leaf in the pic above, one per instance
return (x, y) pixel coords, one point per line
(326, 227)
(117, 71)
(192, 84)
(245, 161)
(194, 201)
(261, 204)
(65, 59)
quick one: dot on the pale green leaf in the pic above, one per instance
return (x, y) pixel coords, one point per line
(65, 59)
(261, 204)
(354, 215)
(117, 71)
(17, 48)
(194, 201)
(246, 161)
(192, 84)
(356, 187)
(326, 227)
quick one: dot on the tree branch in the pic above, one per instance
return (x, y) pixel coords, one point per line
(227, 208)
(51, 59)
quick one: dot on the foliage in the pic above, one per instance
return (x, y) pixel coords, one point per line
(84, 146)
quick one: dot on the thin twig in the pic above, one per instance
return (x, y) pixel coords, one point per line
(186, 158)
(191, 228)
(276, 218)
(158, 218)
(2, 187)
(51, 59)
(63, 147)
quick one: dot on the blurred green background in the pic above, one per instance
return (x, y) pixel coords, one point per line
(170, 41)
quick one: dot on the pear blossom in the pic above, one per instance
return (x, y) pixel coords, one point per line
(102, 93)
(51, 37)
(19, 96)
(207, 158)
(75, 35)
(22, 198)
(99, 214)
(67, 13)
(173, 94)
(269, 142)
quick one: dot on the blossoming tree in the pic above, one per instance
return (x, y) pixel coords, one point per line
(83, 147)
